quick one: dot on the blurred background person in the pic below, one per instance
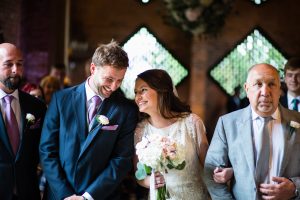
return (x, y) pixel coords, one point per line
(49, 84)
(291, 98)
(235, 102)
(59, 71)
(34, 90)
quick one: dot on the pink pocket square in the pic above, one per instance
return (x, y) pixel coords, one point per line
(110, 128)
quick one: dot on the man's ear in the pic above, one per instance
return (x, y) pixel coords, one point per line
(246, 88)
(92, 68)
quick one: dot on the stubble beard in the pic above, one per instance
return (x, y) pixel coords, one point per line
(12, 85)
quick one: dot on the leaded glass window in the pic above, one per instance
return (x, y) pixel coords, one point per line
(254, 49)
(145, 52)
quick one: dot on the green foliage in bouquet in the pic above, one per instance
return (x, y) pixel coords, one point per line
(171, 165)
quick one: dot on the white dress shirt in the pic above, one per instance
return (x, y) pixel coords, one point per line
(276, 141)
(89, 95)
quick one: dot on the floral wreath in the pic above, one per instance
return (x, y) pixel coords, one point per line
(197, 16)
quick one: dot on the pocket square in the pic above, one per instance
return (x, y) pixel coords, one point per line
(110, 128)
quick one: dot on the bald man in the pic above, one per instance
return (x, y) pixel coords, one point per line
(21, 121)
(261, 143)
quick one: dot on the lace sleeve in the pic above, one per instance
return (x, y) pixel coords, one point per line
(199, 133)
(139, 132)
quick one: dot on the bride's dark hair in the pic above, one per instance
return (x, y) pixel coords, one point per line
(169, 105)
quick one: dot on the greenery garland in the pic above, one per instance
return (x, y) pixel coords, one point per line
(197, 16)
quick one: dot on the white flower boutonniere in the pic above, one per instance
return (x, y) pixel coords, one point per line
(294, 125)
(103, 120)
(30, 118)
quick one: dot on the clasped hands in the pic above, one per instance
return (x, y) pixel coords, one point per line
(283, 189)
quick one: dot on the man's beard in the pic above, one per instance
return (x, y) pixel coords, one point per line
(12, 85)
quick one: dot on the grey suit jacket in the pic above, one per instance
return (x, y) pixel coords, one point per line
(232, 145)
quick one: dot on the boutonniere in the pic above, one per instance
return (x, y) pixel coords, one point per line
(103, 120)
(294, 125)
(32, 122)
(30, 118)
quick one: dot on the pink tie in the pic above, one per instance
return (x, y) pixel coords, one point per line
(93, 107)
(11, 124)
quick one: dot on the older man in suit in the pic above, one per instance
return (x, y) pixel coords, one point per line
(21, 121)
(86, 155)
(261, 143)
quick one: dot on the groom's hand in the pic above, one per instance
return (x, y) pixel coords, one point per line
(74, 197)
(284, 189)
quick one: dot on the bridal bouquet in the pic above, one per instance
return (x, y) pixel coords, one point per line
(158, 153)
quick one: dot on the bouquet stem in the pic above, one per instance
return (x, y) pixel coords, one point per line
(157, 194)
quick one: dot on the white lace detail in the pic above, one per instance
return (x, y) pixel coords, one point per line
(186, 183)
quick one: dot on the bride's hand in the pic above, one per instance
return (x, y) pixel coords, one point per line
(159, 180)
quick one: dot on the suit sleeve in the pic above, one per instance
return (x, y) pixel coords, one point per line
(49, 153)
(217, 155)
(121, 160)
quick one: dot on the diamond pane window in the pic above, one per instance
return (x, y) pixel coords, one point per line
(258, 2)
(232, 70)
(145, 52)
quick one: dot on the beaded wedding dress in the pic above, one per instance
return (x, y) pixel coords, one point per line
(186, 184)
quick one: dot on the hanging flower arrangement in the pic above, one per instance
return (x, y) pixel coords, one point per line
(197, 16)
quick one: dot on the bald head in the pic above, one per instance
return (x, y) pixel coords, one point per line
(263, 67)
(8, 47)
(11, 67)
(263, 89)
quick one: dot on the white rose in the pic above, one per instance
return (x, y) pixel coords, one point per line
(103, 120)
(30, 117)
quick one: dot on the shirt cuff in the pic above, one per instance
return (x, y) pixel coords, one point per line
(87, 196)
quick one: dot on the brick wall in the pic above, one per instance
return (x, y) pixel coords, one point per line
(10, 19)
(37, 28)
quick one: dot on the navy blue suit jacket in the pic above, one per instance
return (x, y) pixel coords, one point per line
(283, 101)
(20, 171)
(77, 161)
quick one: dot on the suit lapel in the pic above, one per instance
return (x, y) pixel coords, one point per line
(244, 127)
(4, 137)
(23, 121)
(107, 109)
(289, 139)
(78, 100)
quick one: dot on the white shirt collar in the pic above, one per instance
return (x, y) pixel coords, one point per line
(275, 115)
(290, 99)
(15, 94)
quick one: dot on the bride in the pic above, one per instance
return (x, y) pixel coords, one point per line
(162, 112)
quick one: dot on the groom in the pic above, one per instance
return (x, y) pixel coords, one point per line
(87, 140)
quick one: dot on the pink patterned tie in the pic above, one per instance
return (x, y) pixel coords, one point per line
(93, 107)
(11, 124)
